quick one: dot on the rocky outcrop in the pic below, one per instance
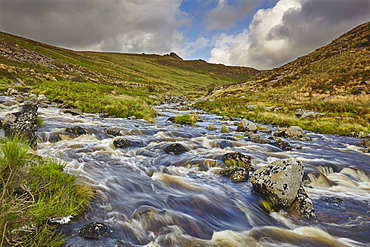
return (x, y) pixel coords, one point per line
(94, 230)
(22, 124)
(246, 125)
(293, 132)
(280, 183)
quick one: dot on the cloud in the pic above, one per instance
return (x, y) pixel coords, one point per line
(288, 30)
(226, 14)
(109, 25)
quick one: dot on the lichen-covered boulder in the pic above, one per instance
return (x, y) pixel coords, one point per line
(246, 125)
(279, 182)
(94, 230)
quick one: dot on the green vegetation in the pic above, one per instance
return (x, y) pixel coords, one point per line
(186, 119)
(224, 129)
(32, 191)
(97, 98)
(333, 80)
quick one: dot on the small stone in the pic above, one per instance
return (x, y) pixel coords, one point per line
(94, 230)
(211, 127)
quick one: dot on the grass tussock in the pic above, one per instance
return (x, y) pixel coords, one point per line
(188, 119)
(32, 191)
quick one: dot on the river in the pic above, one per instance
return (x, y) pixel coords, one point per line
(150, 198)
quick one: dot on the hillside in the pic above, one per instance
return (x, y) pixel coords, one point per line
(123, 84)
(333, 80)
(168, 72)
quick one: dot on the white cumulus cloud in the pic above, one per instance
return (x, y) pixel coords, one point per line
(289, 29)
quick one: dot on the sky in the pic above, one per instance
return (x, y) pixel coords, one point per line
(262, 34)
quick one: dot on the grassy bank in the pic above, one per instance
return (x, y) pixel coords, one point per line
(339, 117)
(32, 191)
(99, 98)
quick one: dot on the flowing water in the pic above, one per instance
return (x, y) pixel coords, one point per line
(150, 198)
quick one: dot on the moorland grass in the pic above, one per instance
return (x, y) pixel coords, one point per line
(32, 191)
(188, 119)
(98, 98)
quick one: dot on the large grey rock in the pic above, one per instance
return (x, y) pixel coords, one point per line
(279, 182)
(246, 125)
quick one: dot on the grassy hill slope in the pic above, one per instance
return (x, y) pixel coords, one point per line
(333, 80)
(119, 84)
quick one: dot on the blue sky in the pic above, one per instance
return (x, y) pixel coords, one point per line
(256, 33)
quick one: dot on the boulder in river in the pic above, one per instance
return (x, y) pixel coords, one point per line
(125, 143)
(279, 182)
(237, 159)
(175, 148)
(94, 230)
(246, 125)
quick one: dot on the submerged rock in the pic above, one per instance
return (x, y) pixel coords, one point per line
(112, 132)
(94, 230)
(76, 130)
(175, 148)
(125, 143)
